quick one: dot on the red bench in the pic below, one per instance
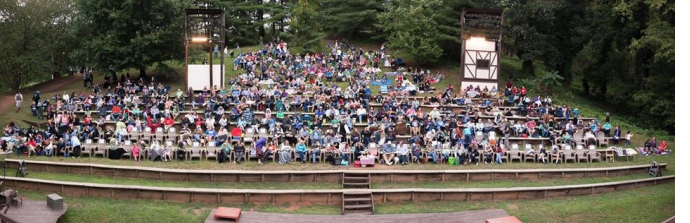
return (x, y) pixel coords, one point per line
(509, 219)
(227, 213)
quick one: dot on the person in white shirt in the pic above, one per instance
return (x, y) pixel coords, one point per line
(435, 114)
(361, 114)
(402, 154)
(49, 148)
(479, 127)
(430, 135)
(18, 99)
(590, 138)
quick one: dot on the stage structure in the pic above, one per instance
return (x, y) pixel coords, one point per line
(481, 34)
(205, 26)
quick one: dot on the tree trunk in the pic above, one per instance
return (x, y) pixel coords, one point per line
(603, 88)
(585, 86)
(528, 67)
(142, 72)
(15, 82)
(260, 20)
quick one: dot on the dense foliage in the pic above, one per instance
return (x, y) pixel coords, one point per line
(35, 39)
(131, 34)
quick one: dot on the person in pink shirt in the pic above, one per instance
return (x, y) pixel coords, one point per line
(531, 125)
(135, 152)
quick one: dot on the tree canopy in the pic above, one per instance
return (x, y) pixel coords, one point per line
(35, 39)
(120, 35)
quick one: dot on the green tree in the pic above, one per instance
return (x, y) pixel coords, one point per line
(549, 31)
(131, 34)
(629, 58)
(412, 26)
(350, 18)
(305, 27)
(34, 40)
(548, 79)
(247, 21)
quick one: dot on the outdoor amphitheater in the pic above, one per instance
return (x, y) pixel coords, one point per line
(257, 122)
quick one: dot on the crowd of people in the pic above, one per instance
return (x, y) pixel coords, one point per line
(304, 109)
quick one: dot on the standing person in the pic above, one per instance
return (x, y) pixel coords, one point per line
(85, 77)
(91, 78)
(215, 51)
(628, 137)
(616, 135)
(18, 98)
(37, 97)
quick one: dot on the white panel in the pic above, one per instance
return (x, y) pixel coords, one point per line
(491, 71)
(469, 70)
(482, 74)
(494, 59)
(199, 76)
(479, 44)
(469, 59)
(484, 55)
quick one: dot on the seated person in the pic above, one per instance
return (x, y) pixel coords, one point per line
(542, 155)
(285, 153)
(239, 152)
(402, 153)
(663, 148)
(388, 153)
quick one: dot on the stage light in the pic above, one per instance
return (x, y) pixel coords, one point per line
(477, 38)
(199, 39)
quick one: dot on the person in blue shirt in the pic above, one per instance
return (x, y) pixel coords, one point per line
(467, 133)
(210, 134)
(388, 153)
(301, 150)
(606, 128)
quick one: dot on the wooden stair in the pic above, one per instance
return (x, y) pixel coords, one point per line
(358, 203)
(356, 181)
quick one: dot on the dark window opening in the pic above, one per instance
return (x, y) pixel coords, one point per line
(483, 64)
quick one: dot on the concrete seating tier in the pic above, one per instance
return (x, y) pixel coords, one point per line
(225, 196)
(333, 176)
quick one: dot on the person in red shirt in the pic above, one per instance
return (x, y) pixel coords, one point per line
(31, 144)
(168, 122)
(152, 124)
(87, 120)
(116, 112)
(523, 91)
(663, 146)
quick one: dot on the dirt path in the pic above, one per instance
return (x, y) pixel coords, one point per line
(7, 99)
